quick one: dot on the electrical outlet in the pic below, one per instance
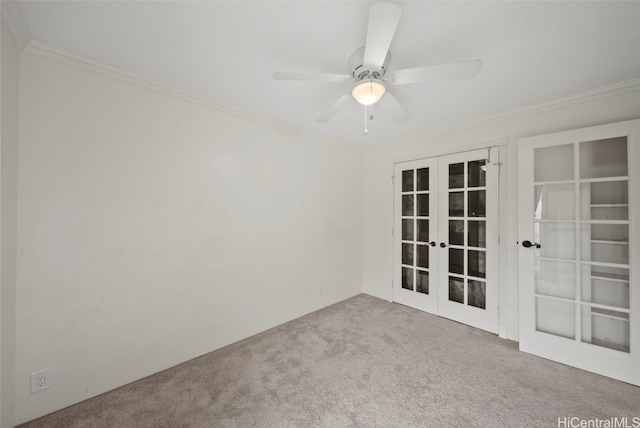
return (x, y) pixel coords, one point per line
(40, 381)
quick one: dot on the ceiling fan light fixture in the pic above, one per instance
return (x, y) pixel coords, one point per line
(368, 92)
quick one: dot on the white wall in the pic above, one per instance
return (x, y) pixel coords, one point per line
(9, 73)
(153, 229)
(617, 103)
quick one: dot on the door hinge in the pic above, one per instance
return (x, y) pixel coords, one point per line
(393, 179)
(498, 164)
(498, 239)
(488, 161)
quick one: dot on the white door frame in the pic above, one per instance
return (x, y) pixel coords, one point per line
(498, 149)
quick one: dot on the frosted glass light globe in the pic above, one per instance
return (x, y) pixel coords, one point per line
(368, 92)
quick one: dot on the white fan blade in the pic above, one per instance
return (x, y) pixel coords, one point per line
(383, 21)
(434, 73)
(389, 104)
(331, 111)
(318, 77)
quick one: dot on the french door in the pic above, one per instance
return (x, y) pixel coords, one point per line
(416, 234)
(578, 261)
(446, 256)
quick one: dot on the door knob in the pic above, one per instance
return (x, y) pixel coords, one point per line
(432, 243)
(442, 245)
(527, 244)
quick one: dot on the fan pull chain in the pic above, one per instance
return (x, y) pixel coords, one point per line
(368, 115)
(366, 131)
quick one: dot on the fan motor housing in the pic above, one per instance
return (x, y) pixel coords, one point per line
(360, 72)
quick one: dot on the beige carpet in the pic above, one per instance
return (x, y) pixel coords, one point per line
(363, 362)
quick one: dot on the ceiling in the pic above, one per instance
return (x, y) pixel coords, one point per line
(531, 52)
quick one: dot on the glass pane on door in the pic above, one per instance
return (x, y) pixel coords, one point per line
(477, 232)
(555, 317)
(477, 294)
(606, 328)
(553, 163)
(604, 158)
(407, 181)
(554, 202)
(555, 278)
(407, 205)
(422, 281)
(422, 179)
(456, 232)
(407, 229)
(605, 285)
(477, 176)
(456, 175)
(407, 278)
(423, 230)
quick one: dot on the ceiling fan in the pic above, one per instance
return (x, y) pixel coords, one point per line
(369, 66)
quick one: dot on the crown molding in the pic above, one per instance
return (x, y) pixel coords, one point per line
(13, 18)
(38, 48)
(632, 85)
